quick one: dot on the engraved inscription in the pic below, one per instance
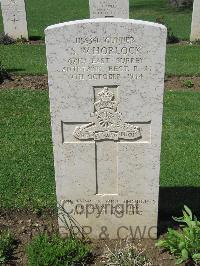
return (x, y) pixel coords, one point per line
(107, 122)
(109, 8)
(107, 58)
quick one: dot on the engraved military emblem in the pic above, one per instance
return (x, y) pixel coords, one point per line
(108, 123)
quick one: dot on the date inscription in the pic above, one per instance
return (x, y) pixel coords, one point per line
(107, 58)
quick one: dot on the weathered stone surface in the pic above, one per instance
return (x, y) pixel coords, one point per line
(109, 8)
(195, 29)
(14, 18)
(106, 79)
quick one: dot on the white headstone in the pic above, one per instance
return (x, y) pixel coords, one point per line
(109, 8)
(14, 18)
(106, 80)
(195, 30)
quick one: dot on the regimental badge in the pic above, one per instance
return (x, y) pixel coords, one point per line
(107, 122)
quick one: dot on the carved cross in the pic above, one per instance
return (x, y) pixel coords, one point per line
(14, 19)
(106, 131)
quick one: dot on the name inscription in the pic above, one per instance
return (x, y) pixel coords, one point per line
(107, 58)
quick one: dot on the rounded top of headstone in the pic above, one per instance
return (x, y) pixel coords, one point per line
(107, 20)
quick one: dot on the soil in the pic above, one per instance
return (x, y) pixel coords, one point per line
(179, 83)
(26, 82)
(25, 225)
(173, 83)
(36, 42)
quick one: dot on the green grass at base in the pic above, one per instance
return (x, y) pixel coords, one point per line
(31, 59)
(27, 172)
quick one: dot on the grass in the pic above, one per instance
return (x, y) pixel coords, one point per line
(31, 59)
(24, 59)
(56, 251)
(180, 158)
(42, 13)
(150, 10)
(27, 172)
(183, 60)
(26, 160)
(7, 243)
